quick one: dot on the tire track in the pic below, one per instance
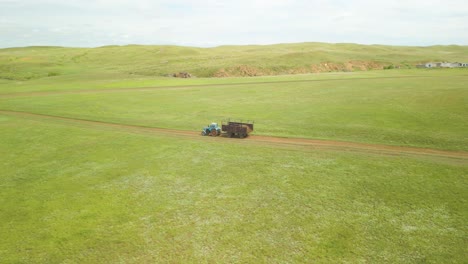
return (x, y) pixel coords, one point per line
(268, 140)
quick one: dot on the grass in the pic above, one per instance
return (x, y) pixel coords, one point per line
(358, 107)
(73, 193)
(112, 81)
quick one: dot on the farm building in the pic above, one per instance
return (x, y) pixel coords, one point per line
(443, 65)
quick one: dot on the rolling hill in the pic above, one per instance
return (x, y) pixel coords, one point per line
(135, 60)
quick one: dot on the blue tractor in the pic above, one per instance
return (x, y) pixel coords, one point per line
(211, 130)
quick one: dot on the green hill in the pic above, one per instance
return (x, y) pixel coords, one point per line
(39, 62)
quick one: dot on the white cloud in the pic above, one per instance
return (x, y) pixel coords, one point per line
(215, 22)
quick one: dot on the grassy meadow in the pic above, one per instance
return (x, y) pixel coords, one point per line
(73, 193)
(412, 109)
(77, 192)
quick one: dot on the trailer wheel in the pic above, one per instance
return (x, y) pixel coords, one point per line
(241, 135)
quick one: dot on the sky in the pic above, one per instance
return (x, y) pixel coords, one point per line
(209, 23)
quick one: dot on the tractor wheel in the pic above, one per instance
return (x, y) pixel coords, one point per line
(203, 133)
(214, 133)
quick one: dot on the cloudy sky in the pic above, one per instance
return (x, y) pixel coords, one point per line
(206, 23)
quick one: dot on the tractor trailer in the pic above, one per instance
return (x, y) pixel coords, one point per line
(229, 128)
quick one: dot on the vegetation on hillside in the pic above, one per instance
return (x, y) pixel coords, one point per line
(135, 60)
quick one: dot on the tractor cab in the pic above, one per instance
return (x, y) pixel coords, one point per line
(213, 130)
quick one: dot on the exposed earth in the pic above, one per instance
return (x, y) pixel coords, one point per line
(246, 70)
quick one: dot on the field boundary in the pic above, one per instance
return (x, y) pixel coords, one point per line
(268, 140)
(150, 88)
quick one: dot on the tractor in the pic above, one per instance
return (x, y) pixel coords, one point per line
(211, 130)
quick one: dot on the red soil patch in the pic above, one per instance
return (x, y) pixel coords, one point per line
(246, 70)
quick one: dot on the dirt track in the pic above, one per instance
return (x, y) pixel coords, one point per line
(312, 143)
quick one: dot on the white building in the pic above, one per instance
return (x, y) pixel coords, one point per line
(443, 65)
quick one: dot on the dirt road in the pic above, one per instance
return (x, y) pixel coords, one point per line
(270, 140)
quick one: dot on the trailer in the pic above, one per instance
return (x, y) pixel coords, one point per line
(237, 128)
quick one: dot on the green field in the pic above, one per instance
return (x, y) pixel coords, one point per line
(115, 191)
(84, 194)
(424, 109)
